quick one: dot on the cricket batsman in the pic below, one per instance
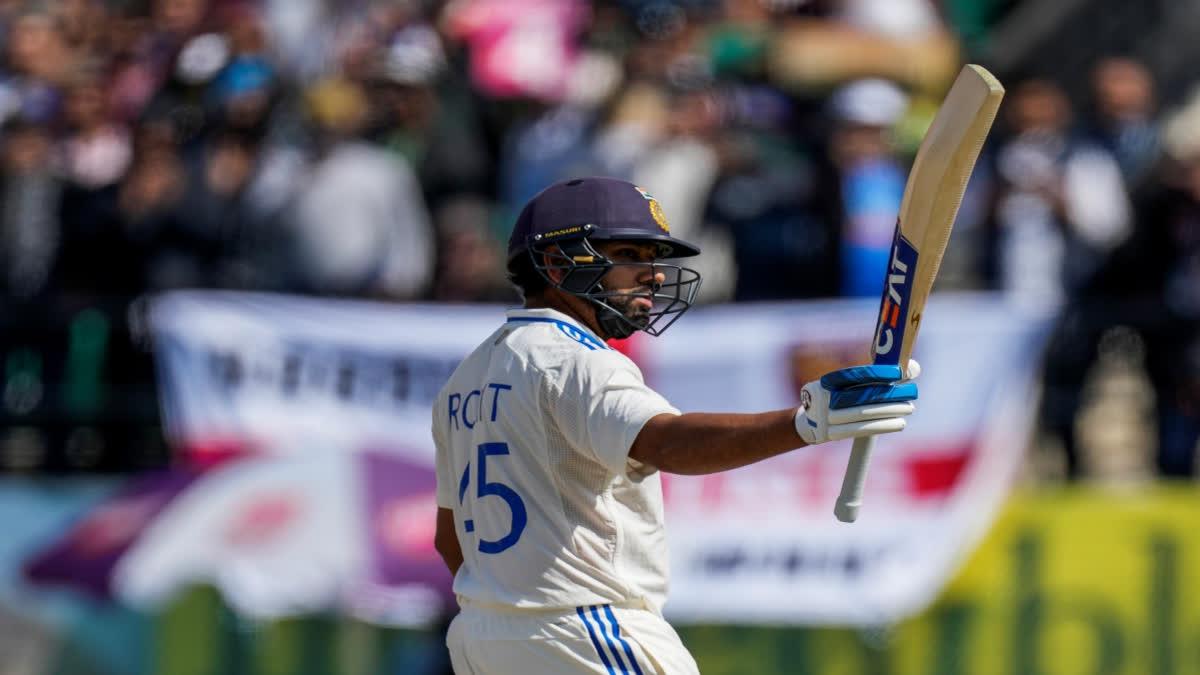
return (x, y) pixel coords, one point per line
(549, 444)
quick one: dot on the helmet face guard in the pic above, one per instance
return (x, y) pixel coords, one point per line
(583, 270)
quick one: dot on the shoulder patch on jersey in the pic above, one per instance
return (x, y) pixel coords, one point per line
(571, 331)
(579, 336)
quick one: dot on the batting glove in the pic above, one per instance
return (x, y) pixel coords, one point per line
(857, 401)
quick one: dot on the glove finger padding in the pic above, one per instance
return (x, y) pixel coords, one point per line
(858, 401)
(871, 411)
(886, 425)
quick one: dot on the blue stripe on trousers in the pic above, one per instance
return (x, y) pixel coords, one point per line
(596, 641)
(611, 647)
(617, 634)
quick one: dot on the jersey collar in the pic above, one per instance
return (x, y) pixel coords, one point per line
(568, 326)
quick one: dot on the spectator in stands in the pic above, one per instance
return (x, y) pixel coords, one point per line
(1061, 202)
(778, 196)
(430, 121)
(40, 62)
(872, 179)
(1124, 119)
(29, 196)
(547, 143)
(242, 94)
(177, 21)
(359, 223)
(82, 24)
(150, 206)
(475, 272)
(222, 200)
(428, 118)
(39, 48)
(93, 153)
(96, 150)
(1060, 208)
(1152, 284)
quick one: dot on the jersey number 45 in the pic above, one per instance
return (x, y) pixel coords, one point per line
(494, 489)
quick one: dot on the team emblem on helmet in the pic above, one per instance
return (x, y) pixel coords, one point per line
(644, 194)
(659, 216)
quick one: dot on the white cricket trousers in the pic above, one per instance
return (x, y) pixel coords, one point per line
(593, 639)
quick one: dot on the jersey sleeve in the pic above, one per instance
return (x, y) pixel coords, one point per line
(446, 489)
(603, 405)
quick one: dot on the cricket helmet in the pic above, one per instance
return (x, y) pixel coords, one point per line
(558, 228)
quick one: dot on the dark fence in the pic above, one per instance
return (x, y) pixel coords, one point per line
(77, 388)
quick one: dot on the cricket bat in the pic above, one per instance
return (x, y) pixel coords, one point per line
(931, 198)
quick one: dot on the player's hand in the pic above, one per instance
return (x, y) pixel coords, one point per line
(857, 401)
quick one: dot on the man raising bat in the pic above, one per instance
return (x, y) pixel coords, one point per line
(549, 444)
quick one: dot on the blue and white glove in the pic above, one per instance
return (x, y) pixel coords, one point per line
(857, 401)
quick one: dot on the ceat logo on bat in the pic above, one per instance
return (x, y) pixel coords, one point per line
(893, 314)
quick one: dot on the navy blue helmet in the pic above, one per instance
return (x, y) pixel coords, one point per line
(557, 230)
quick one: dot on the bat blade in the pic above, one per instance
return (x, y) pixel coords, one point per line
(932, 195)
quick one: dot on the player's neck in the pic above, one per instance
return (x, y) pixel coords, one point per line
(573, 306)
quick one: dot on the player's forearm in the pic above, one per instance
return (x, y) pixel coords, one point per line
(699, 443)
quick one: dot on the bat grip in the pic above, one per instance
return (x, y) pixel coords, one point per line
(850, 497)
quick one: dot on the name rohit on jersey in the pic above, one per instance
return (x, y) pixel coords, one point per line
(469, 409)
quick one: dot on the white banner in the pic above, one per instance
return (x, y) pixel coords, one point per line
(244, 372)
(264, 373)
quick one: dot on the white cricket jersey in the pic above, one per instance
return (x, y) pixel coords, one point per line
(533, 432)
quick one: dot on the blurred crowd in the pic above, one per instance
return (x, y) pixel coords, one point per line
(381, 148)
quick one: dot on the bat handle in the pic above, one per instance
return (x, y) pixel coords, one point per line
(850, 498)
